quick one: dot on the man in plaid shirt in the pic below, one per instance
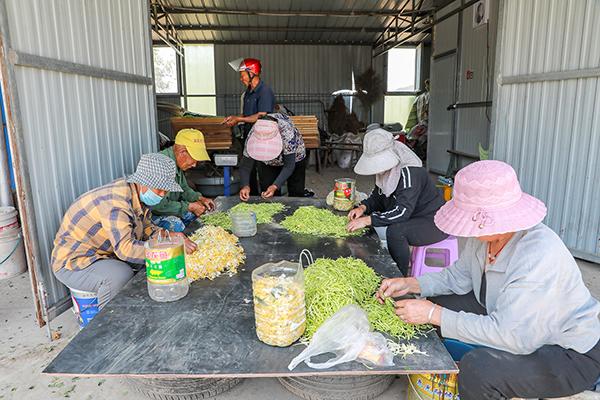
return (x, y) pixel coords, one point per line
(102, 234)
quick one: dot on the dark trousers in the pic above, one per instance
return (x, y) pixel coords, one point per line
(254, 188)
(295, 183)
(549, 372)
(418, 231)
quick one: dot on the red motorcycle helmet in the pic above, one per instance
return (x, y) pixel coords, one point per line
(246, 64)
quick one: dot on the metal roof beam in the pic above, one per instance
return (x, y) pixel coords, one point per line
(386, 46)
(289, 42)
(297, 13)
(183, 27)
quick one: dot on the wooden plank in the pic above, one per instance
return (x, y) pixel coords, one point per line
(308, 125)
(216, 135)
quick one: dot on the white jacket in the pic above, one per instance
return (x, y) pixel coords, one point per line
(535, 296)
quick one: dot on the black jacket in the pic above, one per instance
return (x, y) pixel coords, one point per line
(415, 196)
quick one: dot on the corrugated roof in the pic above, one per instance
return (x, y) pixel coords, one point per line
(286, 21)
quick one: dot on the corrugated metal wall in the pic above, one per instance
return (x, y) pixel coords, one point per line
(547, 111)
(443, 90)
(78, 131)
(293, 69)
(478, 46)
(470, 48)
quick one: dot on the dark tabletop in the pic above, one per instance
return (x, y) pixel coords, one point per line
(210, 332)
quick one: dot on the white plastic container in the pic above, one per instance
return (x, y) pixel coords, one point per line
(279, 305)
(243, 223)
(165, 269)
(12, 250)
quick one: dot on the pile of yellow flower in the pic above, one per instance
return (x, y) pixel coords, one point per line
(218, 252)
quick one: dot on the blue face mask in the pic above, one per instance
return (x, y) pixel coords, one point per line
(150, 198)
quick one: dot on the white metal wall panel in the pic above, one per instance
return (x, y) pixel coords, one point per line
(445, 33)
(443, 93)
(443, 73)
(104, 33)
(79, 131)
(477, 55)
(548, 128)
(291, 69)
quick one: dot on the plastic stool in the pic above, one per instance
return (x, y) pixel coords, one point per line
(445, 251)
(458, 349)
(85, 306)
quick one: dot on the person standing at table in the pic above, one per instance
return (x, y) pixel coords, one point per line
(258, 100)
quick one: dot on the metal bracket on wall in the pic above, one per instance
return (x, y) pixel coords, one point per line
(473, 104)
(163, 26)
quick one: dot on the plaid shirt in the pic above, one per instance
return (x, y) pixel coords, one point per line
(107, 222)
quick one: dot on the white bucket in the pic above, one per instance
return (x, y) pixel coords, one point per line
(12, 251)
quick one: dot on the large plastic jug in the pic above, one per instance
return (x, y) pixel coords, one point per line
(279, 307)
(165, 269)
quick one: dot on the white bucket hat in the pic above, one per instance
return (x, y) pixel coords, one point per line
(381, 152)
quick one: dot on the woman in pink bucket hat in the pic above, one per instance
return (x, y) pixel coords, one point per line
(515, 293)
(278, 147)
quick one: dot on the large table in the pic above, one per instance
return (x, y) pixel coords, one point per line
(210, 333)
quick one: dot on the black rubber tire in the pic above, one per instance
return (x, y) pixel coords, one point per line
(181, 388)
(338, 387)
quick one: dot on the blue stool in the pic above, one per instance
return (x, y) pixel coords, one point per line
(458, 349)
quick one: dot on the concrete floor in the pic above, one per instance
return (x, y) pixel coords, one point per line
(25, 349)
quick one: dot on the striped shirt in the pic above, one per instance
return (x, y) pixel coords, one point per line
(415, 196)
(106, 222)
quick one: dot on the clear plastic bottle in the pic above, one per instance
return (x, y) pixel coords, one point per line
(243, 223)
(279, 307)
(165, 269)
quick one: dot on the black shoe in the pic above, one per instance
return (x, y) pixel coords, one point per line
(309, 193)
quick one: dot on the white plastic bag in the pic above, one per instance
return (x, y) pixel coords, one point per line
(347, 334)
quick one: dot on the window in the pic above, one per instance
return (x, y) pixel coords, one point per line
(401, 84)
(397, 108)
(401, 70)
(200, 79)
(165, 70)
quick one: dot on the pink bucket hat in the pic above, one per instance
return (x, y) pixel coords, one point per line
(264, 143)
(488, 200)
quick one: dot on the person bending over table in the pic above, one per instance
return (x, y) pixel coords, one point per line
(404, 200)
(278, 146)
(179, 209)
(102, 235)
(515, 291)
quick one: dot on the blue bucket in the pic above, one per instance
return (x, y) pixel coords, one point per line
(458, 349)
(85, 305)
